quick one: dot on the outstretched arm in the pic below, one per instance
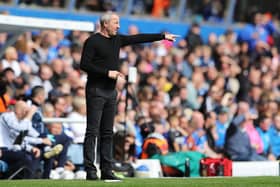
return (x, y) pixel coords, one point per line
(142, 38)
(171, 37)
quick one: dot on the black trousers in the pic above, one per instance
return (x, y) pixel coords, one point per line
(17, 159)
(101, 108)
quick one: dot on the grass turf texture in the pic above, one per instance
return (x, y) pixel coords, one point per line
(136, 182)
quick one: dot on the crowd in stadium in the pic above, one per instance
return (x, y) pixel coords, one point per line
(219, 98)
(206, 10)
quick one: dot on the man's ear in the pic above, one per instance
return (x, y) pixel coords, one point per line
(105, 24)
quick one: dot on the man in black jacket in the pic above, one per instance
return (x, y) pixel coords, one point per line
(193, 38)
(100, 59)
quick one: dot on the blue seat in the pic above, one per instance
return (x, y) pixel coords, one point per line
(6, 174)
(3, 166)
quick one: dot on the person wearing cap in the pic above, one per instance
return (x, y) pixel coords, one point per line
(221, 127)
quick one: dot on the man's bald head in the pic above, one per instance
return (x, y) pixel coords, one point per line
(21, 109)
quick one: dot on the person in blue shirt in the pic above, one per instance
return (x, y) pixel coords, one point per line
(274, 134)
(263, 130)
(221, 128)
(253, 33)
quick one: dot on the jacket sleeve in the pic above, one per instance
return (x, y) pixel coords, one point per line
(140, 38)
(32, 140)
(87, 64)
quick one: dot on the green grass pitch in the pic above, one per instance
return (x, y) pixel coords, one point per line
(160, 182)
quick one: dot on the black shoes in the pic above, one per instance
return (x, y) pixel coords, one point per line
(107, 177)
(91, 175)
(110, 177)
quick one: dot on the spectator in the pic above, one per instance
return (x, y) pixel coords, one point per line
(59, 136)
(212, 10)
(4, 97)
(155, 143)
(11, 60)
(180, 65)
(37, 98)
(207, 59)
(176, 134)
(212, 99)
(63, 88)
(77, 130)
(73, 77)
(15, 126)
(94, 5)
(274, 137)
(48, 110)
(189, 143)
(45, 73)
(254, 137)
(193, 37)
(210, 129)
(183, 96)
(196, 89)
(25, 51)
(57, 66)
(97, 5)
(222, 124)
(3, 39)
(76, 50)
(60, 105)
(51, 42)
(254, 32)
(255, 93)
(48, 144)
(161, 8)
(237, 145)
(200, 139)
(263, 129)
(8, 76)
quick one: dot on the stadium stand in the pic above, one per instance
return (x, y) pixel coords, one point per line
(215, 88)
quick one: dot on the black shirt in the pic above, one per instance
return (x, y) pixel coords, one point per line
(101, 54)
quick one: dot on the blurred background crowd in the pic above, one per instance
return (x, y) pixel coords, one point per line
(208, 10)
(219, 97)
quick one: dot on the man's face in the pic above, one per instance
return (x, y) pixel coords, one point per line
(21, 110)
(113, 25)
(277, 122)
(265, 124)
(55, 128)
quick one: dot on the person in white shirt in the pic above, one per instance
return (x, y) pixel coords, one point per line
(11, 60)
(14, 126)
(77, 130)
(45, 73)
